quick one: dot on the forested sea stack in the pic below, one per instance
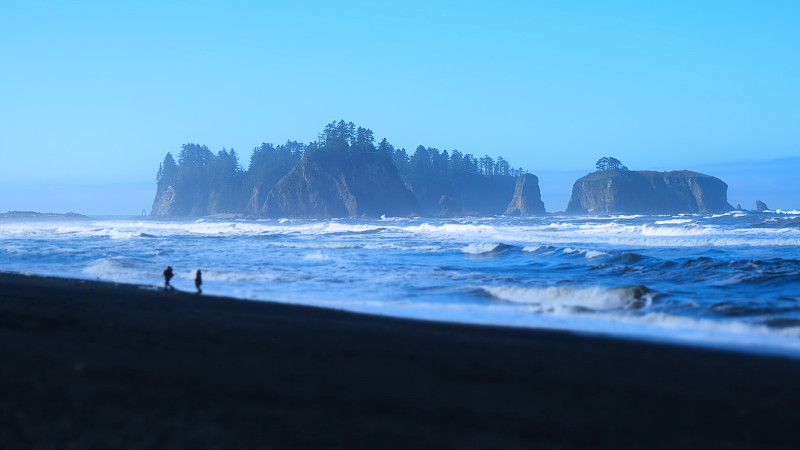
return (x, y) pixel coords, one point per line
(613, 189)
(342, 174)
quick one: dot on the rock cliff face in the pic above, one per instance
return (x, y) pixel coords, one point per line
(174, 201)
(164, 203)
(332, 181)
(648, 192)
(473, 195)
(527, 198)
(325, 186)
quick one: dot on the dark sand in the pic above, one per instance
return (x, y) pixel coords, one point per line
(94, 365)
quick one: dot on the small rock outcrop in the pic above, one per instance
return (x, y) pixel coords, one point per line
(648, 192)
(761, 206)
(449, 207)
(527, 198)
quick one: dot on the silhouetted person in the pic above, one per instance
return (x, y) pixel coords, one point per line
(168, 276)
(198, 280)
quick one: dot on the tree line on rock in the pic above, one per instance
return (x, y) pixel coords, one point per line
(201, 182)
(343, 173)
(607, 163)
(208, 183)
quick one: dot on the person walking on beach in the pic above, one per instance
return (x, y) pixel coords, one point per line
(198, 280)
(168, 276)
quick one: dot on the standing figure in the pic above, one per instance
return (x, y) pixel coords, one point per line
(168, 276)
(198, 280)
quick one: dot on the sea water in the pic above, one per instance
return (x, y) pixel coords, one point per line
(729, 280)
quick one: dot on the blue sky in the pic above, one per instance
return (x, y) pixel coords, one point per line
(95, 93)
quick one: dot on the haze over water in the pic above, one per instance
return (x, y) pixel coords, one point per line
(727, 280)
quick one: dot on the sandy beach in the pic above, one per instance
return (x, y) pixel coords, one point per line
(101, 365)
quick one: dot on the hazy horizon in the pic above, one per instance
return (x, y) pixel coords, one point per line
(772, 182)
(96, 93)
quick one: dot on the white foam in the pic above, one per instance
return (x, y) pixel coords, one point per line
(310, 245)
(118, 269)
(210, 275)
(626, 217)
(478, 249)
(316, 256)
(227, 228)
(525, 234)
(556, 299)
(589, 254)
(673, 221)
(533, 249)
(406, 247)
(694, 230)
(592, 254)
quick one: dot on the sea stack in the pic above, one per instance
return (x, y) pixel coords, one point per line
(326, 185)
(341, 174)
(620, 191)
(761, 206)
(527, 198)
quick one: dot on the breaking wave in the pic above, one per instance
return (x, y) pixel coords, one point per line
(485, 248)
(589, 254)
(554, 298)
(118, 269)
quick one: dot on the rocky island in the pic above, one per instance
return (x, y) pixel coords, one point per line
(337, 180)
(613, 189)
(342, 174)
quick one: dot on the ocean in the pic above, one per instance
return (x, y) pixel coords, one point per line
(728, 281)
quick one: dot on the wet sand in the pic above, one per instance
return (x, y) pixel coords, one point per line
(99, 365)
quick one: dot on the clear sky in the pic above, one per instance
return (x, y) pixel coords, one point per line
(93, 94)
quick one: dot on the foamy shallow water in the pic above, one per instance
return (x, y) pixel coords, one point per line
(725, 280)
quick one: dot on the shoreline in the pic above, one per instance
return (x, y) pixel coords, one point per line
(97, 364)
(626, 333)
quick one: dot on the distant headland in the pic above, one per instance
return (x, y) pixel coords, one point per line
(345, 174)
(40, 215)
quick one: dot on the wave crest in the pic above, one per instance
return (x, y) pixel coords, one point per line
(484, 248)
(554, 298)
